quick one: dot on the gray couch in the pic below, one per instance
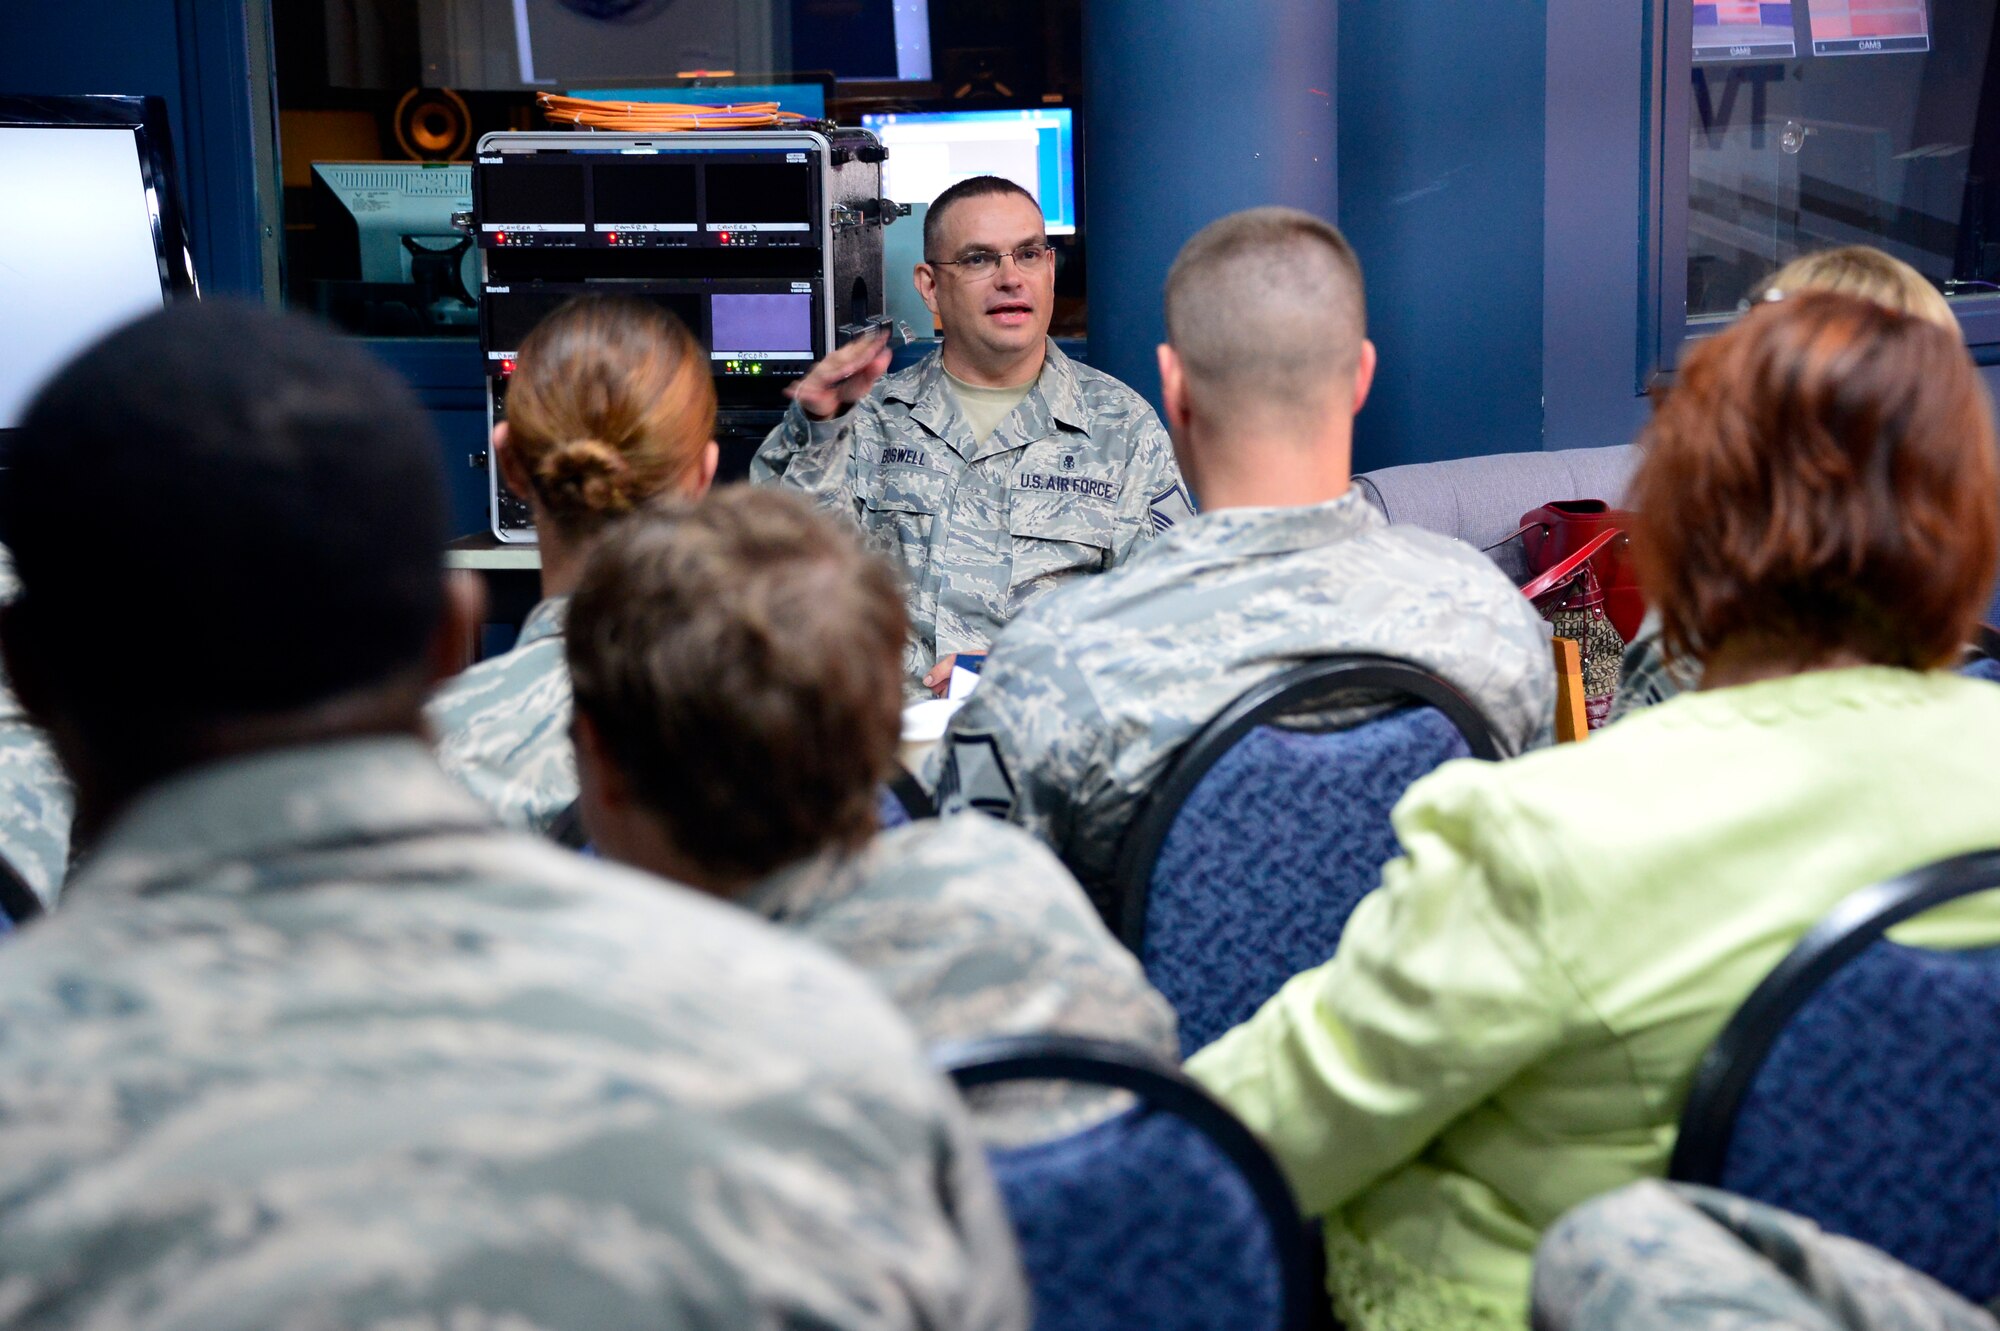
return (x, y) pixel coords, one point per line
(1481, 500)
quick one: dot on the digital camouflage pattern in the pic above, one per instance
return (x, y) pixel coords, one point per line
(974, 929)
(312, 1044)
(1645, 676)
(1660, 1257)
(34, 790)
(36, 795)
(502, 725)
(1087, 697)
(1074, 481)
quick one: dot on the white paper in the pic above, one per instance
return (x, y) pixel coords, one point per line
(924, 722)
(963, 682)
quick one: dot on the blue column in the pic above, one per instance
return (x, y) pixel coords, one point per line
(1193, 109)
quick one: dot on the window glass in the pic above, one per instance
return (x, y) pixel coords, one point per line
(1819, 123)
(382, 101)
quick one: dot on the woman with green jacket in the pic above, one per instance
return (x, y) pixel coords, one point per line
(1511, 1022)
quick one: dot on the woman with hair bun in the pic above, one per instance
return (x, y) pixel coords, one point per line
(611, 406)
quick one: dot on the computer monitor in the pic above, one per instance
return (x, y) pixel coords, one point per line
(1743, 30)
(380, 203)
(90, 231)
(930, 151)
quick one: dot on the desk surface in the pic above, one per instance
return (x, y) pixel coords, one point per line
(483, 551)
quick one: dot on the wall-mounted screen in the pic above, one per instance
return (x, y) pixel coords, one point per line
(89, 238)
(930, 151)
(1744, 30)
(1869, 27)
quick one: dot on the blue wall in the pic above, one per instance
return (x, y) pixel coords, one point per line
(1247, 119)
(1441, 166)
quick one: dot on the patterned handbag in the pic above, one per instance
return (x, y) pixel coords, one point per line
(1557, 530)
(1571, 598)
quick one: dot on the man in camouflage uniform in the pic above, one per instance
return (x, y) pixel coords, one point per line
(313, 1043)
(1655, 1257)
(995, 468)
(1646, 675)
(735, 669)
(502, 727)
(34, 793)
(1086, 697)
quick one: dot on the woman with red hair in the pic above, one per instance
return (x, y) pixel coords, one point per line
(1511, 1022)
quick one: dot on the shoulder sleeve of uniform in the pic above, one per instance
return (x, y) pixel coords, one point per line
(1156, 499)
(818, 457)
(1021, 747)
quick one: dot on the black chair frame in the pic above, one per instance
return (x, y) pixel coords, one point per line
(567, 828)
(17, 899)
(1160, 1084)
(910, 793)
(1733, 1061)
(1297, 691)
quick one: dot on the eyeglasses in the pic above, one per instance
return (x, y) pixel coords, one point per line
(978, 265)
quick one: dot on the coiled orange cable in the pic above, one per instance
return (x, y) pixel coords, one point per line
(662, 117)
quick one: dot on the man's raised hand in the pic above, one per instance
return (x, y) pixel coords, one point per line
(844, 377)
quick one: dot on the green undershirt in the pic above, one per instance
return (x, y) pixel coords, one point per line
(985, 408)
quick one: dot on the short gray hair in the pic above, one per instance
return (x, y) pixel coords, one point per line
(1267, 311)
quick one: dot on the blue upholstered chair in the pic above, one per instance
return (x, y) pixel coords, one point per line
(1859, 1085)
(1244, 863)
(1982, 658)
(889, 811)
(1168, 1216)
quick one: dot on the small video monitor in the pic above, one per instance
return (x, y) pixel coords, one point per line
(683, 305)
(511, 313)
(1743, 30)
(644, 196)
(1869, 27)
(754, 197)
(761, 326)
(930, 151)
(529, 197)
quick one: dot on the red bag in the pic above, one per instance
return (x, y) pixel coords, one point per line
(1556, 531)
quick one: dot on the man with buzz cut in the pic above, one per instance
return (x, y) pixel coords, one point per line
(1088, 695)
(994, 469)
(312, 1042)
